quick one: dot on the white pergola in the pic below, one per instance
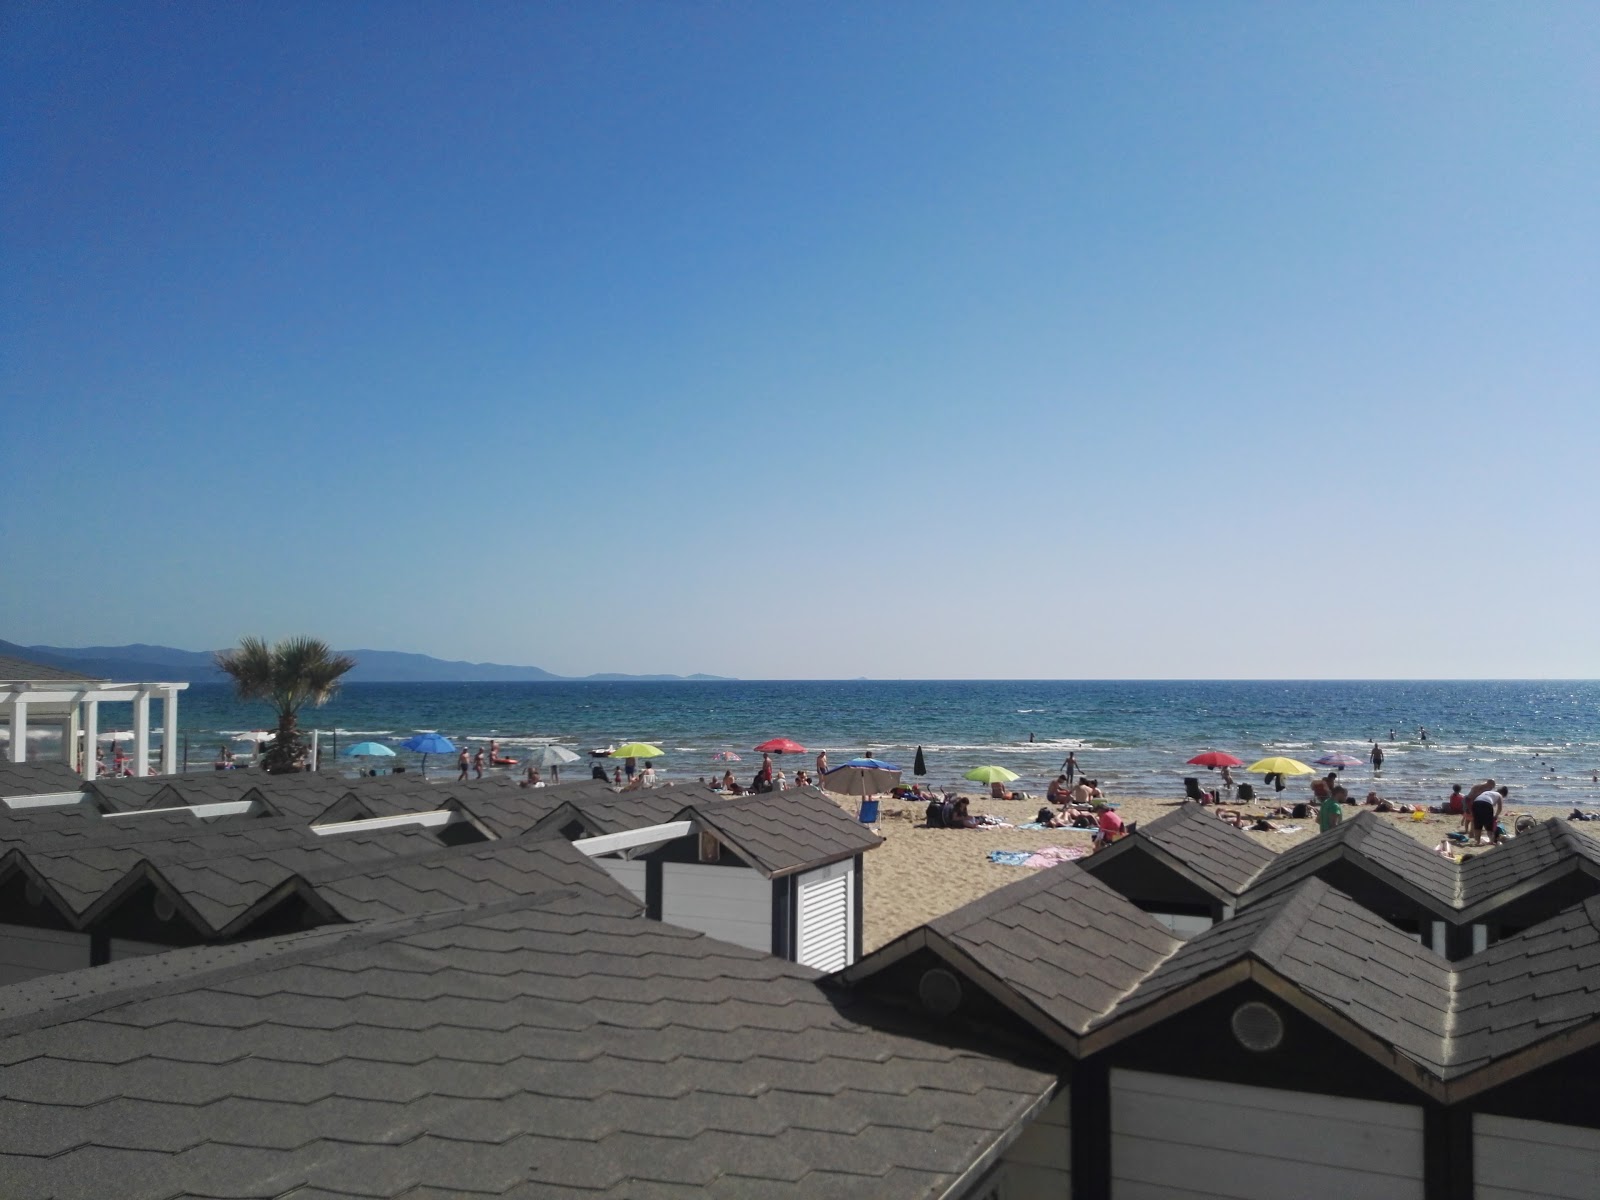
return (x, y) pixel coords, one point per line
(73, 706)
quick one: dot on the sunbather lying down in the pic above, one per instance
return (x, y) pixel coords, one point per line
(1243, 820)
(1070, 817)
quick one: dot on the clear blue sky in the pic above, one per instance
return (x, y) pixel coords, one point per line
(907, 339)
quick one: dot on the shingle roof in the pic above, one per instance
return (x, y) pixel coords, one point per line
(36, 778)
(20, 670)
(1334, 950)
(1061, 941)
(781, 832)
(1486, 875)
(1377, 847)
(1528, 987)
(1225, 856)
(520, 1050)
(216, 873)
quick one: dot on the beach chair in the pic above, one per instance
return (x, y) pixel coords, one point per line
(1191, 790)
(1247, 793)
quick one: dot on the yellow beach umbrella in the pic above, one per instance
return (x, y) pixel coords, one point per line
(1281, 766)
(646, 750)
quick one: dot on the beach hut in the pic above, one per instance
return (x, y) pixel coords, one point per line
(1186, 868)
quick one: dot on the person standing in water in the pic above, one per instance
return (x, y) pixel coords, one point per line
(1070, 767)
(1376, 758)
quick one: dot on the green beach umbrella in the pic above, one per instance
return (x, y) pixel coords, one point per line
(637, 750)
(991, 775)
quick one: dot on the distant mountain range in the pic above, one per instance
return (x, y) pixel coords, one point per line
(139, 663)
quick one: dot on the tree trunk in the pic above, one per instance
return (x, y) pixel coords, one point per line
(286, 754)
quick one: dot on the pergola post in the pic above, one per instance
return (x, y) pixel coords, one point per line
(141, 734)
(169, 731)
(18, 711)
(91, 739)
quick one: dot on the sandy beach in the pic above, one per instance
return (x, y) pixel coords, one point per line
(920, 873)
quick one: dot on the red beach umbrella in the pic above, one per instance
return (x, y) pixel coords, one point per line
(1216, 758)
(780, 746)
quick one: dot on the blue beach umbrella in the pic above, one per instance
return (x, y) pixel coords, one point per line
(426, 744)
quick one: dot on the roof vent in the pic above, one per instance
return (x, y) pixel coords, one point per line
(1258, 1026)
(940, 992)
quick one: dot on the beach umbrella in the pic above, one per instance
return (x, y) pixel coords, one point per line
(1281, 766)
(920, 767)
(637, 750)
(1216, 758)
(1340, 761)
(426, 744)
(862, 777)
(551, 758)
(726, 756)
(370, 750)
(782, 746)
(991, 775)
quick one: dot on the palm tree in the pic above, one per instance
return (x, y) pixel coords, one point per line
(289, 675)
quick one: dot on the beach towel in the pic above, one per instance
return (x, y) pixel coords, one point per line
(1048, 856)
(1010, 858)
(1287, 829)
(1034, 825)
(1054, 856)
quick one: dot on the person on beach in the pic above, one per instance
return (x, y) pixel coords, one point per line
(1454, 803)
(1486, 809)
(1329, 812)
(1227, 781)
(477, 763)
(463, 763)
(1058, 792)
(960, 816)
(533, 780)
(648, 775)
(1109, 827)
(1376, 757)
(629, 766)
(822, 764)
(1069, 768)
(729, 783)
(766, 772)
(616, 776)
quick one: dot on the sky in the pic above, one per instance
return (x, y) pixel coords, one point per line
(894, 340)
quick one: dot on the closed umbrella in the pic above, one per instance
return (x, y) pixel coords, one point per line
(920, 766)
(426, 744)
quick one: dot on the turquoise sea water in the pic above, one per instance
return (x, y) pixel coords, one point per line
(1543, 738)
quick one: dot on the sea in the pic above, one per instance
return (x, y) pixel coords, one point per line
(1541, 737)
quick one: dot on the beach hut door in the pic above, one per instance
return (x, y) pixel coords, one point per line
(826, 912)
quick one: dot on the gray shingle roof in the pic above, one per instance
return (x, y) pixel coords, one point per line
(520, 1050)
(1063, 942)
(1224, 856)
(1336, 951)
(1487, 874)
(1527, 988)
(781, 832)
(1375, 846)
(36, 778)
